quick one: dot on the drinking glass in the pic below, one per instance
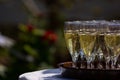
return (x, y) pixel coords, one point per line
(87, 39)
(72, 37)
(80, 37)
(112, 39)
(93, 44)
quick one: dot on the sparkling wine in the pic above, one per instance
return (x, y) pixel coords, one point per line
(93, 44)
(117, 47)
(73, 44)
(87, 42)
(79, 43)
(111, 41)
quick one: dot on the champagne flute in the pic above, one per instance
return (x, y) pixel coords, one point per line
(113, 41)
(100, 50)
(87, 37)
(71, 33)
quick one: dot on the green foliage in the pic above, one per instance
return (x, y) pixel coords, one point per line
(36, 41)
(32, 51)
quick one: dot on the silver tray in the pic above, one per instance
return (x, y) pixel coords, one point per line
(99, 74)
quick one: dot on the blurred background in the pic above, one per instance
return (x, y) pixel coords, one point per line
(31, 31)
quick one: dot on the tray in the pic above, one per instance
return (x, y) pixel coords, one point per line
(68, 71)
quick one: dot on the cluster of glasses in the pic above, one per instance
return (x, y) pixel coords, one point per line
(94, 44)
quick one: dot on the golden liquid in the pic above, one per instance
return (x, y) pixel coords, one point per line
(69, 40)
(113, 42)
(87, 42)
(73, 44)
(78, 41)
(110, 40)
(117, 44)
